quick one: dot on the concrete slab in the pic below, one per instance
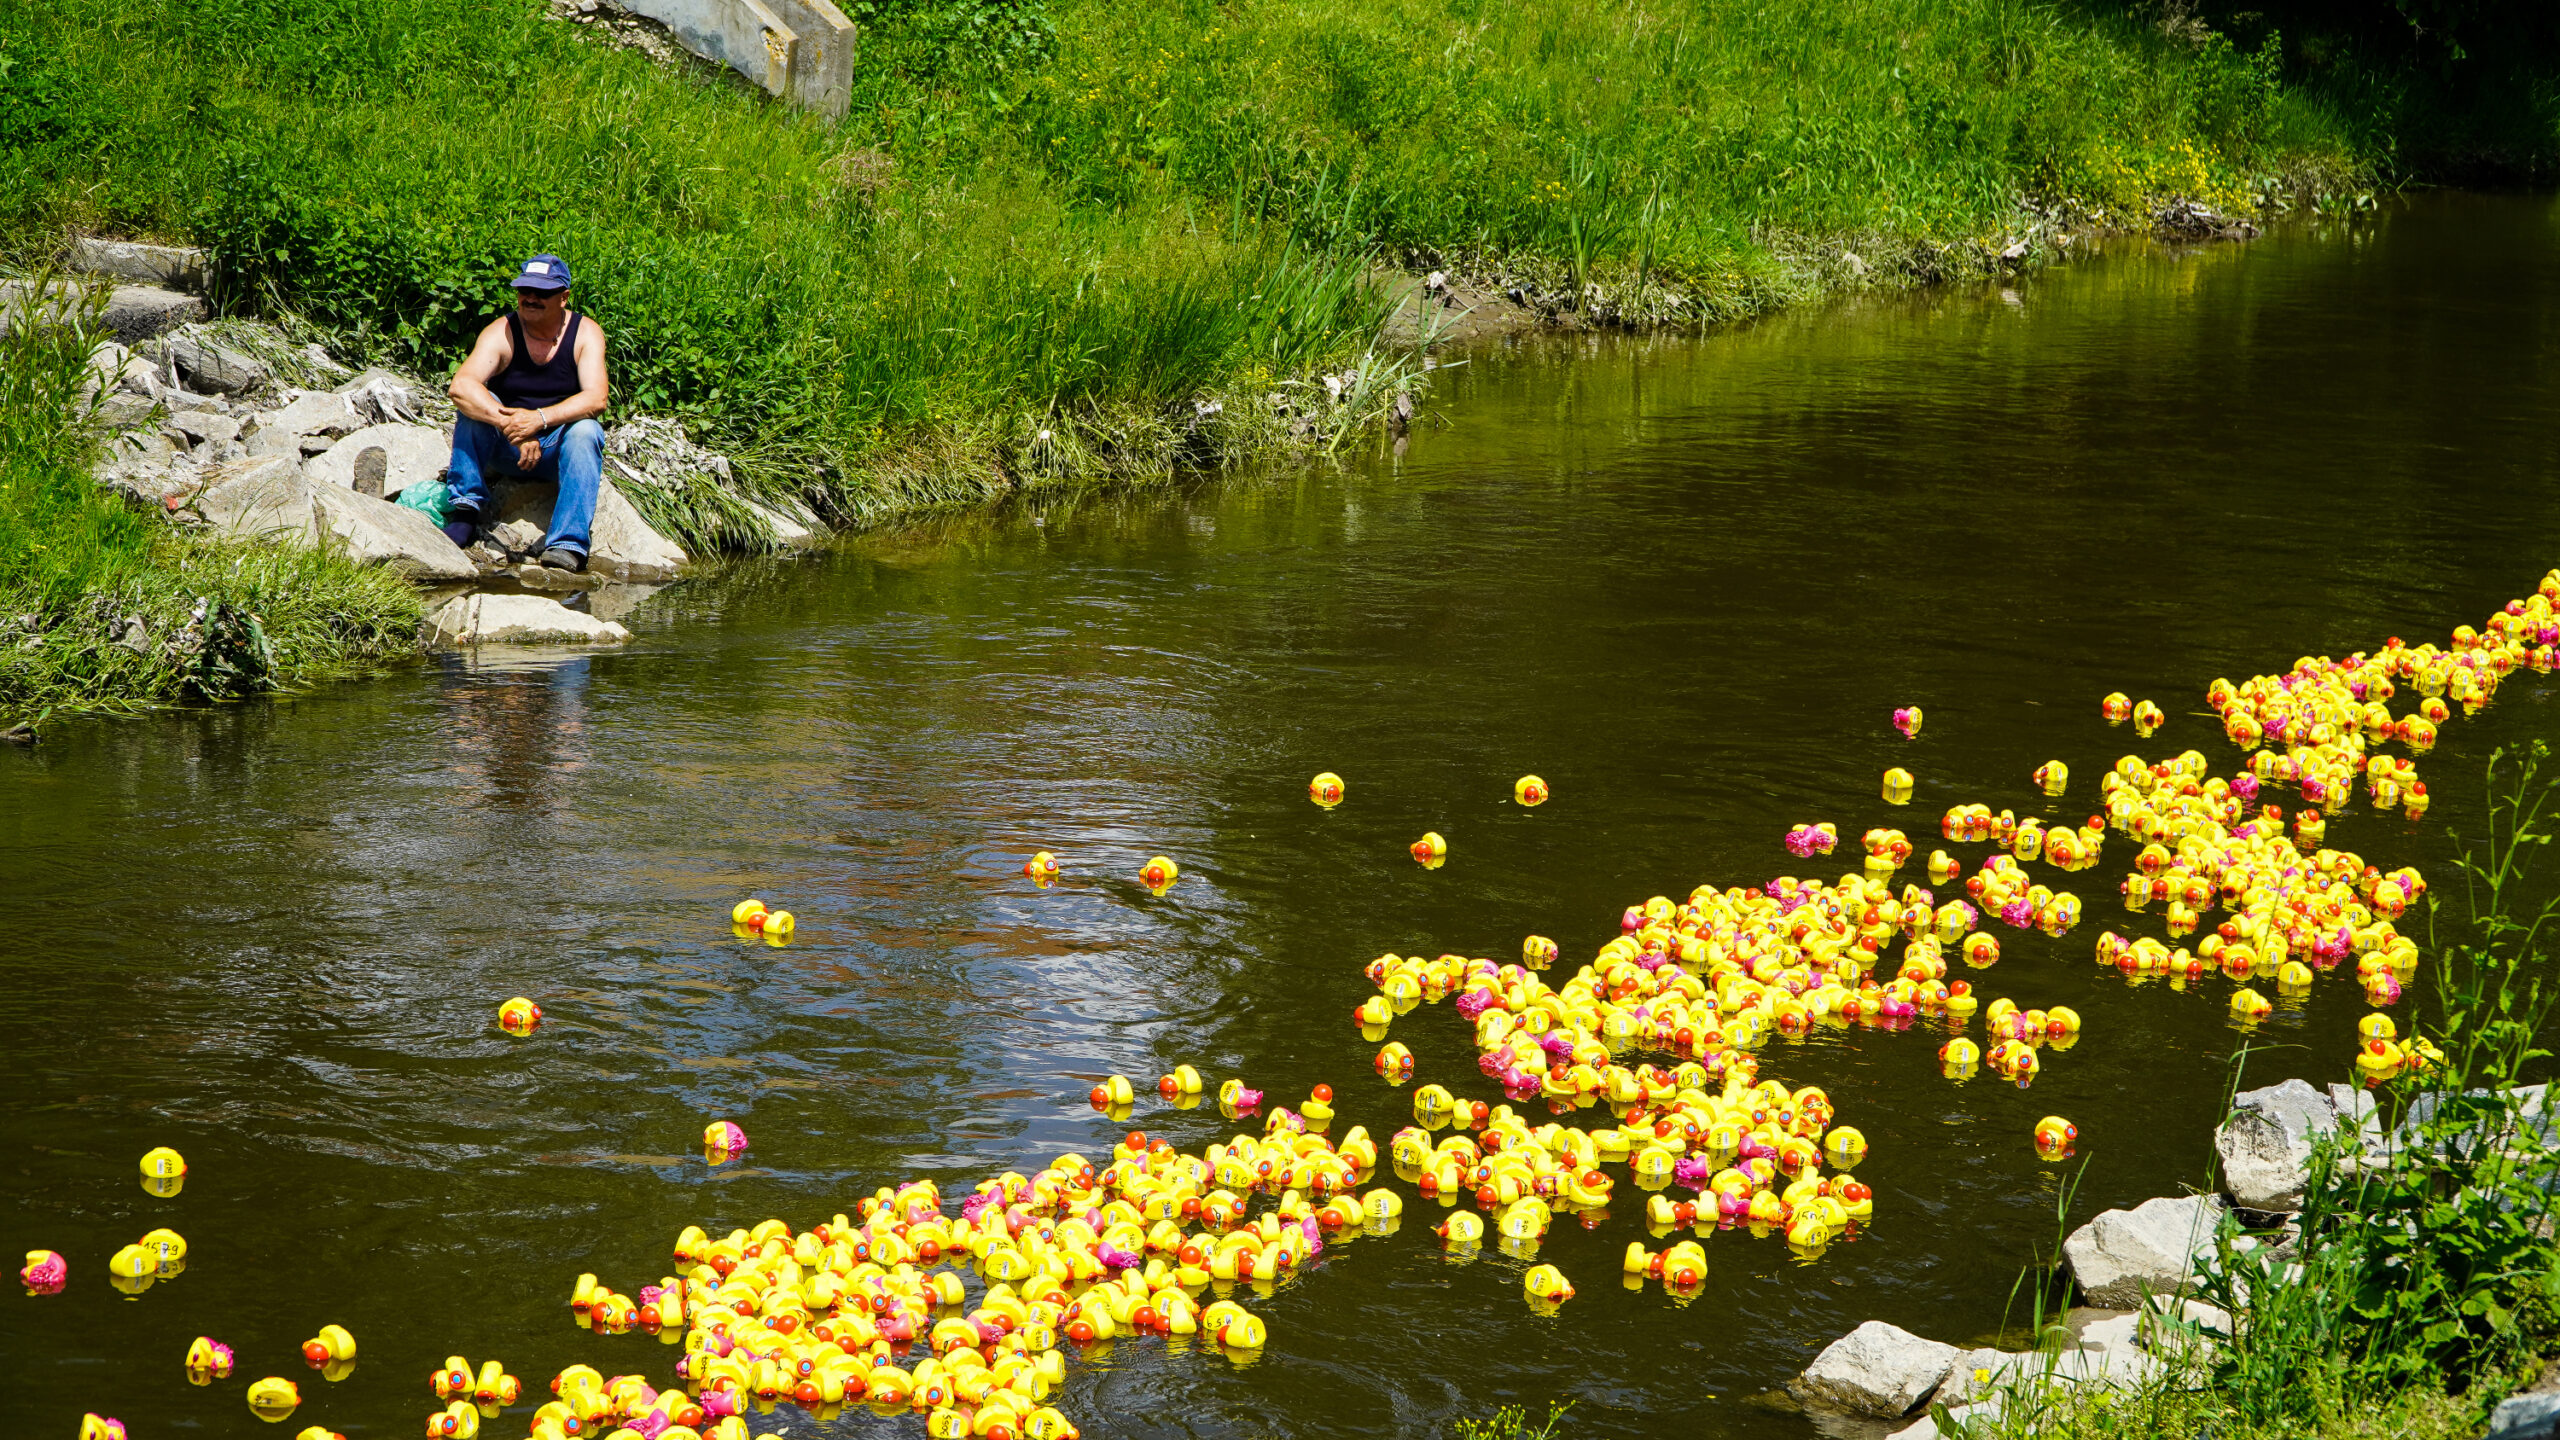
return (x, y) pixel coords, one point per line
(171, 267)
(799, 50)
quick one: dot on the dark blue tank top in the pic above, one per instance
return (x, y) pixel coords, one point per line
(523, 385)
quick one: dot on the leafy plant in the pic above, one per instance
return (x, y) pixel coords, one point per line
(1511, 1422)
(2426, 1235)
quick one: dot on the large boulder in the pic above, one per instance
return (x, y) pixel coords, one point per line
(313, 412)
(210, 365)
(2266, 1144)
(2525, 1417)
(204, 427)
(619, 542)
(484, 619)
(136, 313)
(2152, 1248)
(378, 532)
(263, 497)
(790, 531)
(385, 396)
(133, 313)
(171, 267)
(1974, 1374)
(1877, 1369)
(411, 453)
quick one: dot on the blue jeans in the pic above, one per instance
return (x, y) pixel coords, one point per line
(573, 454)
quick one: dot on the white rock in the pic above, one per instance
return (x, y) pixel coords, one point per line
(314, 412)
(2124, 1369)
(1876, 1369)
(415, 453)
(789, 531)
(1980, 1377)
(619, 542)
(2266, 1144)
(205, 427)
(2525, 1417)
(627, 545)
(107, 364)
(2151, 1248)
(264, 497)
(516, 537)
(479, 619)
(133, 313)
(1977, 1373)
(2116, 1332)
(385, 396)
(212, 367)
(176, 266)
(377, 532)
(271, 441)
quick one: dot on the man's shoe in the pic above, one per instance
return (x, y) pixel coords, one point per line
(557, 558)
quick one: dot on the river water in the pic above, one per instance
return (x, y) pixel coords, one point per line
(1686, 582)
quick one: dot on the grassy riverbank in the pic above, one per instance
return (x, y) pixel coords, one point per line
(1079, 220)
(1075, 241)
(104, 608)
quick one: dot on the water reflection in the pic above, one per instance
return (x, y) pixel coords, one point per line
(518, 731)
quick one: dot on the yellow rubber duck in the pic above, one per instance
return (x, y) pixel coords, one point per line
(1461, 1228)
(1546, 1282)
(273, 1398)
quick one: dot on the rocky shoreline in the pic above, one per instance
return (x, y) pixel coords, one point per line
(2136, 1270)
(230, 428)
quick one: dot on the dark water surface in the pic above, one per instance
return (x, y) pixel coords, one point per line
(1686, 583)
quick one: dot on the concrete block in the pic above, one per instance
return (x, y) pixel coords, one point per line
(745, 35)
(133, 313)
(171, 267)
(800, 50)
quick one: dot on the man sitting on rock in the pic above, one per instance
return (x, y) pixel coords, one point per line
(528, 398)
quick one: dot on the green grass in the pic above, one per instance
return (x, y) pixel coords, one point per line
(1068, 241)
(102, 607)
(1082, 220)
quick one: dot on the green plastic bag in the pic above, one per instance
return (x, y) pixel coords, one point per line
(431, 498)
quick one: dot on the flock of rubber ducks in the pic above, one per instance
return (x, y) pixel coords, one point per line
(838, 1315)
(871, 1309)
(162, 1255)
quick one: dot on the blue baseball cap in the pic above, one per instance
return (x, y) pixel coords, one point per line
(543, 272)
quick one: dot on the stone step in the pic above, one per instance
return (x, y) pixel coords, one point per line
(169, 267)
